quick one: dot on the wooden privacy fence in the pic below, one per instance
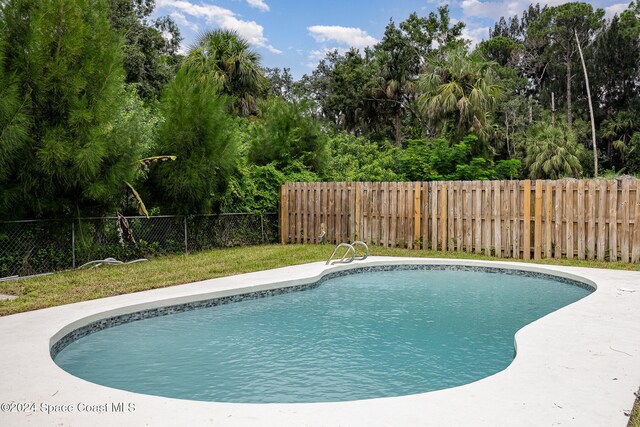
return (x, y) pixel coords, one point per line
(593, 219)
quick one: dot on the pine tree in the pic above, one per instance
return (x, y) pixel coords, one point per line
(67, 65)
(197, 130)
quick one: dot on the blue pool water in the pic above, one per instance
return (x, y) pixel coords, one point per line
(366, 335)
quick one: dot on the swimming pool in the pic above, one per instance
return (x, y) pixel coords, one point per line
(593, 344)
(357, 334)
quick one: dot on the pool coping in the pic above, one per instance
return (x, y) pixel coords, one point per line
(579, 365)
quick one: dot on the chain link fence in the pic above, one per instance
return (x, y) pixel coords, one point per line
(43, 246)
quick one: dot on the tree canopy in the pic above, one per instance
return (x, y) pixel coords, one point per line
(90, 87)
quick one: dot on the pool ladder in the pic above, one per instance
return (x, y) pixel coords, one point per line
(350, 250)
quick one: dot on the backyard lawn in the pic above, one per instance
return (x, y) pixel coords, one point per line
(81, 285)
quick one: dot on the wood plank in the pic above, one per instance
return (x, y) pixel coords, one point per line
(293, 196)
(506, 220)
(343, 213)
(443, 217)
(310, 213)
(458, 216)
(569, 220)
(468, 211)
(338, 213)
(298, 196)
(319, 211)
(635, 243)
(613, 220)
(306, 230)
(364, 215)
(548, 221)
(408, 220)
(558, 237)
(417, 194)
(582, 236)
(332, 227)
(537, 230)
(451, 236)
(349, 210)
(301, 213)
(370, 214)
(515, 218)
(373, 219)
(434, 215)
(385, 215)
(424, 197)
(497, 226)
(591, 219)
(393, 213)
(486, 228)
(602, 221)
(314, 204)
(284, 223)
(478, 216)
(625, 227)
(526, 238)
(324, 203)
(358, 234)
(402, 214)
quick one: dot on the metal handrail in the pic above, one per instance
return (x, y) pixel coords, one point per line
(345, 259)
(366, 248)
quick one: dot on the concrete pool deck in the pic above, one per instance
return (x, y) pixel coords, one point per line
(577, 366)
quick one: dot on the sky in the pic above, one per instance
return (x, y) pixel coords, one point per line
(296, 34)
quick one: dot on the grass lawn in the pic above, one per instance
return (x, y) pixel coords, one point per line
(81, 285)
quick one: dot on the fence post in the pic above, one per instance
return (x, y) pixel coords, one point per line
(186, 244)
(73, 244)
(283, 219)
(262, 226)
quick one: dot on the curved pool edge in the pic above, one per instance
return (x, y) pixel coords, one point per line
(563, 373)
(100, 321)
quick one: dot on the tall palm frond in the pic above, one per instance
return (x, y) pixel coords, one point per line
(460, 85)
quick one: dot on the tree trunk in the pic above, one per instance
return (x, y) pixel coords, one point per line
(398, 127)
(553, 110)
(506, 123)
(569, 111)
(593, 124)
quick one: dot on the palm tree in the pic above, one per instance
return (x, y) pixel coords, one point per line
(618, 132)
(228, 60)
(553, 153)
(398, 64)
(463, 87)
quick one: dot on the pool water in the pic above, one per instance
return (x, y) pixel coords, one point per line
(365, 335)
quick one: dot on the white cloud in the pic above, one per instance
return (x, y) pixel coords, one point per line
(259, 4)
(315, 56)
(183, 49)
(480, 9)
(496, 9)
(223, 18)
(353, 37)
(182, 20)
(615, 9)
(475, 35)
(322, 53)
